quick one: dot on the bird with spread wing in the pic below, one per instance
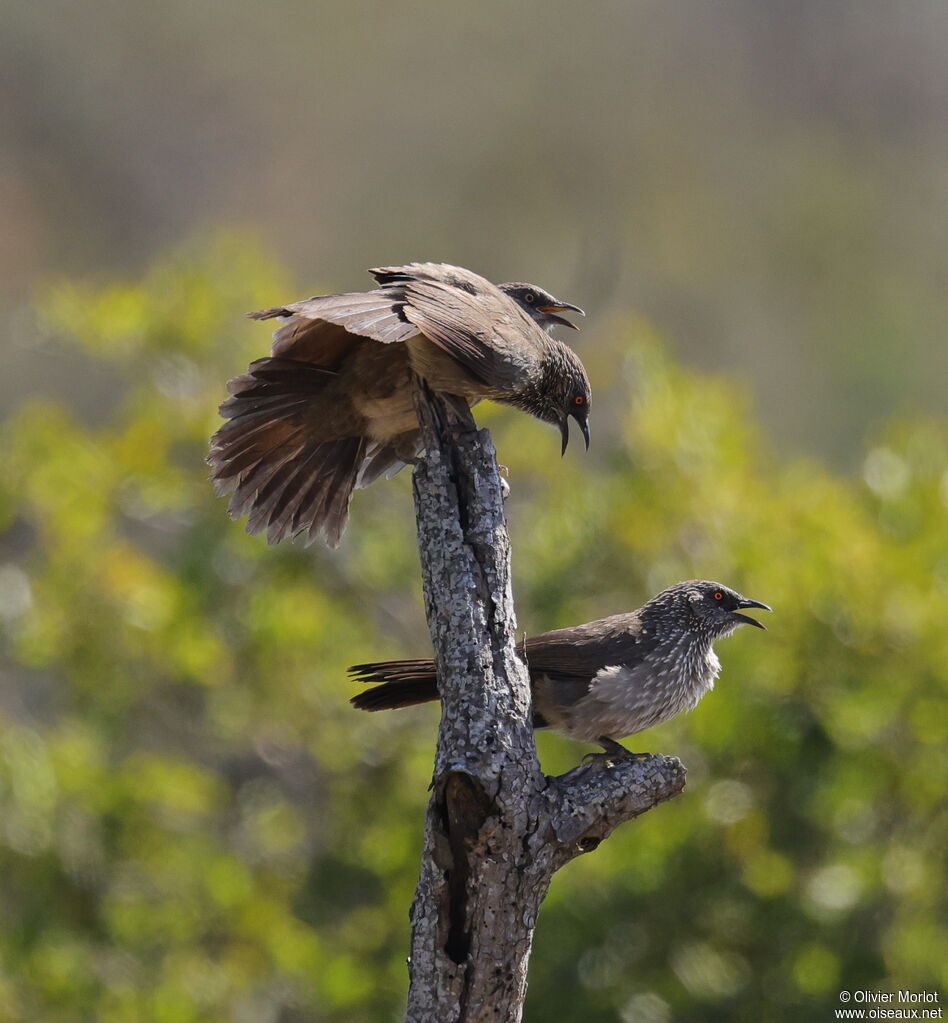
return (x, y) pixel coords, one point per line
(331, 409)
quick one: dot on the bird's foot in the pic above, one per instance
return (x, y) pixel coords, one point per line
(614, 753)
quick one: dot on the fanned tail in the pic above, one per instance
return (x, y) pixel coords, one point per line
(270, 458)
(404, 683)
(387, 459)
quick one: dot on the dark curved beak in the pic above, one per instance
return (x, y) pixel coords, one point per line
(564, 432)
(747, 602)
(551, 311)
(584, 426)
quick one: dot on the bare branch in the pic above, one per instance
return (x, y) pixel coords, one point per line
(496, 827)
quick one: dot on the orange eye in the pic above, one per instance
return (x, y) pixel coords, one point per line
(719, 595)
(579, 400)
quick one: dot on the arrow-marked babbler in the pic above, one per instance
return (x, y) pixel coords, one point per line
(607, 679)
(332, 408)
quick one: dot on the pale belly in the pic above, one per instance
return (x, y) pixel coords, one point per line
(624, 701)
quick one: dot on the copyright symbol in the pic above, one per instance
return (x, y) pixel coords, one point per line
(844, 996)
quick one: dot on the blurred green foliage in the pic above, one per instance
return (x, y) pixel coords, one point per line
(195, 826)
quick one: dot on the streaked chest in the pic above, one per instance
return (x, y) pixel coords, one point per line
(631, 699)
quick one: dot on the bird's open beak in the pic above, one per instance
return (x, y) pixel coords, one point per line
(747, 602)
(564, 432)
(551, 311)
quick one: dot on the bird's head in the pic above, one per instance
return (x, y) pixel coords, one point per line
(716, 608)
(541, 306)
(562, 392)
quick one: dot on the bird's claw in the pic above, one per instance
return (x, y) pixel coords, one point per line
(614, 753)
(598, 761)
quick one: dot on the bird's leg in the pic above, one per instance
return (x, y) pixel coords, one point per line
(616, 749)
(463, 422)
(614, 752)
(461, 408)
(408, 449)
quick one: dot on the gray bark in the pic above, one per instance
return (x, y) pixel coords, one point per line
(496, 828)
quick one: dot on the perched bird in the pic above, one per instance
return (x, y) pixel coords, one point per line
(607, 679)
(332, 408)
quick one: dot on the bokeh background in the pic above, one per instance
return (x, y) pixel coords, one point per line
(750, 199)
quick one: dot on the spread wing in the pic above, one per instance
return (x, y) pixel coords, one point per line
(460, 311)
(471, 319)
(310, 324)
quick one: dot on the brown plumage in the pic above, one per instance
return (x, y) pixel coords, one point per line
(331, 409)
(607, 679)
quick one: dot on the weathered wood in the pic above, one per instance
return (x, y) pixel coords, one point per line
(496, 828)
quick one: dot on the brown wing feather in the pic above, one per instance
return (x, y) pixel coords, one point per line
(471, 319)
(373, 314)
(460, 311)
(577, 653)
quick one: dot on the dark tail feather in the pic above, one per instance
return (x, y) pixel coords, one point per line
(392, 671)
(287, 479)
(393, 695)
(404, 683)
(308, 493)
(387, 459)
